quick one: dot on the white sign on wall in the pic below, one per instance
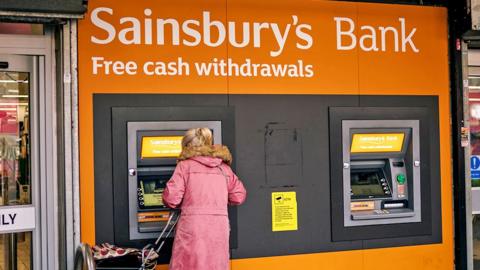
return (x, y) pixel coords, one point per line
(17, 218)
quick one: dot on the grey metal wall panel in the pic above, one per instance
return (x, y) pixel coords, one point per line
(392, 231)
(103, 105)
(301, 123)
(432, 188)
(255, 117)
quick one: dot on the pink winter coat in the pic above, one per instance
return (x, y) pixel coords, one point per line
(202, 191)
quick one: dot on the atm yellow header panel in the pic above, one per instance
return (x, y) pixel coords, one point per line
(161, 147)
(377, 142)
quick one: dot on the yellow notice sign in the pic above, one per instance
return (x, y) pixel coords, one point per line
(284, 211)
(161, 147)
(380, 142)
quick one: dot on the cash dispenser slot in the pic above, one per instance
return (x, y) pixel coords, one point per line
(394, 204)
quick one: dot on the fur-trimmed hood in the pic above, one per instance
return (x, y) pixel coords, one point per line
(215, 151)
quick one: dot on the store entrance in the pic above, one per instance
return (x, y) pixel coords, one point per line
(32, 199)
(473, 186)
(17, 81)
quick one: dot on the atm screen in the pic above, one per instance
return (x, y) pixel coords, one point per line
(368, 183)
(151, 190)
(377, 142)
(161, 146)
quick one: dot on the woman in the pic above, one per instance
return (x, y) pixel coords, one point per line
(202, 186)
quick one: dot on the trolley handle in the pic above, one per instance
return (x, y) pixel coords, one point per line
(84, 258)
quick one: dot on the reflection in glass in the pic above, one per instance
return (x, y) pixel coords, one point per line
(476, 241)
(474, 109)
(15, 182)
(21, 28)
(15, 249)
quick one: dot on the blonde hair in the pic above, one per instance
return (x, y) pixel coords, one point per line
(197, 137)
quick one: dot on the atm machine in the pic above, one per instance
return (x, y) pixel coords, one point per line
(153, 148)
(381, 172)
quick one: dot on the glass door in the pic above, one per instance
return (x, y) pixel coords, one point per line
(17, 212)
(473, 110)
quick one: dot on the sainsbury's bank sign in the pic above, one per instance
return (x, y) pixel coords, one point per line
(293, 43)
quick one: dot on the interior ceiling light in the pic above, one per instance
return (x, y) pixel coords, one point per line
(15, 96)
(475, 111)
(14, 104)
(12, 81)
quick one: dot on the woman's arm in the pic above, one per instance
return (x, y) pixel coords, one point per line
(236, 191)
(175, 189)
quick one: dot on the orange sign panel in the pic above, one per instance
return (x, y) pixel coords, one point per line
(161, 147)
(268, 47)
(378, 142)
(311, 47)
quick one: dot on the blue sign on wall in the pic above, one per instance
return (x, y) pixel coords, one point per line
(475, 167)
